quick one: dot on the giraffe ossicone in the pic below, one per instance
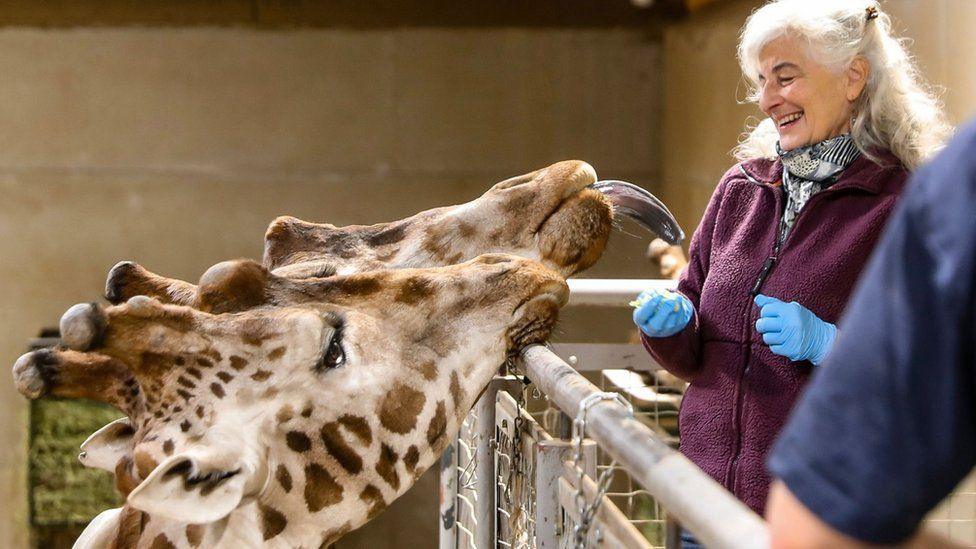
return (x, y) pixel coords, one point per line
(287, 402)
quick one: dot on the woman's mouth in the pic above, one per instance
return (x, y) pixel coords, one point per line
(789, 120)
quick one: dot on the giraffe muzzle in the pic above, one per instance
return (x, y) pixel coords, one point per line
(643, 207)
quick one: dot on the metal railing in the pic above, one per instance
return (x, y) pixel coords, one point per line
(490, 498)
(512, 478)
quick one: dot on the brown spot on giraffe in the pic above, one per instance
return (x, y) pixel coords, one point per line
(276, 353)
(438, 338)
(360, 285)
(132, 523)
(214, 354)
(307, 411)
(413, 290)
(456, 392)
(168, 447)
(125, 478)
(374, 499)
(237, 362)
(194, 534)
(205, 362)
(144, 464)
(186, 382)
(389, 235)
(255, 331)
(336, 446)
(285, 413)
(386, 466)
(185, 425)
(411, 458)
(357, 426)
(438, 424)
(273, 522)
(162, 542)
(225, 377)
(321, 489)
(298, 441)
(466, 230)
(400, 408)
(284, 478)
(218, 390)
(429, 370)
(261, 375)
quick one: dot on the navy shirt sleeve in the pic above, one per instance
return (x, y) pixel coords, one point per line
(886, 428)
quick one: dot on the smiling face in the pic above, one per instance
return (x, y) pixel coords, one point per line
(808, 101)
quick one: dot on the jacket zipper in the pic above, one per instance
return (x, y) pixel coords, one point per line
(767, 268)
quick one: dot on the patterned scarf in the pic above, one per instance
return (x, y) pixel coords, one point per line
(808, 170)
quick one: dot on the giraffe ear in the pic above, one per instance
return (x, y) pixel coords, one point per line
(191, 488)
(106, 446)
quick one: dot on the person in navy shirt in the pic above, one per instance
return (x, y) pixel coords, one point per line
(887, 427)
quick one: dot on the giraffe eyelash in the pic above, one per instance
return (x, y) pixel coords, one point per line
(333, 355)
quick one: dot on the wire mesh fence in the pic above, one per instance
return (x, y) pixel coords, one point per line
(525, 426)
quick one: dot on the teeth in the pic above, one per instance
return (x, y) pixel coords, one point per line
(790, 118)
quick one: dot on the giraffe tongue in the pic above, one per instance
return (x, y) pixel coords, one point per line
(643, 207)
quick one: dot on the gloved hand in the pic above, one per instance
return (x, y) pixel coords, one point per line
(791, 330)
(662, 313)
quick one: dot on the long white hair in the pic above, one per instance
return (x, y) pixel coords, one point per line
(897, 111)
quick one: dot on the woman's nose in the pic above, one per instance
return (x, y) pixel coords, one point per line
(768, 98)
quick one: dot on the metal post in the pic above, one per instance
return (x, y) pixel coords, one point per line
(549, 458)
(447, 515)
(485, 482)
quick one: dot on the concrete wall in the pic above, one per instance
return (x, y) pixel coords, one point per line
(175, 147)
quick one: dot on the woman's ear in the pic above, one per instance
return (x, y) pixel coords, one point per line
(857, 77)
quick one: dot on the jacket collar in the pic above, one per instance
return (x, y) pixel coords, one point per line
(862, 174)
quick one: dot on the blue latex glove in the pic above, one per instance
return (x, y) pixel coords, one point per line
(791, 330)
(662, 313)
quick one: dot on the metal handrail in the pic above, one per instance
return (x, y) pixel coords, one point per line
(702, 505)
(611, 292)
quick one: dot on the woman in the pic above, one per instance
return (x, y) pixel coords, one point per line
(789, 229)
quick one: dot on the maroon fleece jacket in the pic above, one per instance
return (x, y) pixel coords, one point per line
(740, 392)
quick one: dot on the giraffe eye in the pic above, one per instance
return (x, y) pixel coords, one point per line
(333, 355)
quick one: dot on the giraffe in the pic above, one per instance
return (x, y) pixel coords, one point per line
(292, 425)
(559, 215)
(152, 357)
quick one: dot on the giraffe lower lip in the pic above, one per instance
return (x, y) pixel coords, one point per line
(643, 207)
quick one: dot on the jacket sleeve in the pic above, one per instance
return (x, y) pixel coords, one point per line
(678, 354)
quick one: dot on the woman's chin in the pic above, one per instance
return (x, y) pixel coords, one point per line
(789, 142)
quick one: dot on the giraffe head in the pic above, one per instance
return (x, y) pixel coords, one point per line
(305, 417)
(559, 215)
